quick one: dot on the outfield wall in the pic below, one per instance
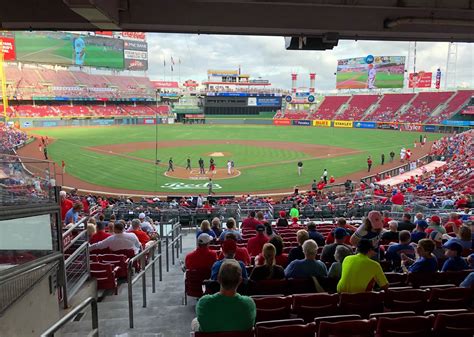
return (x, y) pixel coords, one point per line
(25, 123)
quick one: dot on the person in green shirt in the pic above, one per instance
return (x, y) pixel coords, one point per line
(360, 272)
(227, 310)
(294, 212)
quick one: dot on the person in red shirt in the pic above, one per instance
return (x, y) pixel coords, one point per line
(66, 204)
(85, 205)
(332, 180)
(386, 218)
(341, 223)
(241, 253)
(369, 164)
(100, 233)
(453, 224)
(255, 244)
(137, 230)
(398, 198)
(202, 257)
(250, 223)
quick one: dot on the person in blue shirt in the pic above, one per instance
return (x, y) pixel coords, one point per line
(394, 251)
(206, 228)
(72, 216)
(426, 262)
(419, 231)
(315, 235)
(309, 266)
(229, 247)
(468, 281)
(455, 262)
(231, 228)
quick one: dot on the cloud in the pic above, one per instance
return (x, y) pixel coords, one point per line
(267, 58)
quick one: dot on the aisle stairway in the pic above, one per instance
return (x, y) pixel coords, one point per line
(165, 315)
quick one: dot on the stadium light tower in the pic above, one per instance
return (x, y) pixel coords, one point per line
(450, 76)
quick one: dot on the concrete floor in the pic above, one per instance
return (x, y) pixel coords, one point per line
(164, 316)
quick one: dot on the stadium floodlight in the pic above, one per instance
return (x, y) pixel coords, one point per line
(104, 14)
(324, 42)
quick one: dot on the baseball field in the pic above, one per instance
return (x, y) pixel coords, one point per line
(358, 80)
(122, 159)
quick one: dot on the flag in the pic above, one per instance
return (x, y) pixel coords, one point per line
(172, 61)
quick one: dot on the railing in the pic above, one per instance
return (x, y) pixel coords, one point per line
(147, 259)
(72, 314)
(16, 281)
(173, 240)
(76, 271)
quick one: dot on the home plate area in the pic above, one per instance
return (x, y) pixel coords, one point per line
(194, 174)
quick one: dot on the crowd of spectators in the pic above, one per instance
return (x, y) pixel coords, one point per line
(11, 138)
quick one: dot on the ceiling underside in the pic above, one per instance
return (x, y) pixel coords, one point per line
(422, 20)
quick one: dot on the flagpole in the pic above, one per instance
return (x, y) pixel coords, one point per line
(164, 67)
(179, 71)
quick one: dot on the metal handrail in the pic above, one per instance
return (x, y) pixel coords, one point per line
(76, 238)
(76, 253)
(174, 238)
(142, 275)
(80, 222)
(72, 314)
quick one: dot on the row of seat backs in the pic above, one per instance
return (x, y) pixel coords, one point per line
(119, 261)
(106, 275)
(396, 324)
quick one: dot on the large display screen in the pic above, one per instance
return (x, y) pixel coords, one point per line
(69, 49)
(370, 72)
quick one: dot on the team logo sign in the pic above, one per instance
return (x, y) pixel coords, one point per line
(369, 59)
(185, 186)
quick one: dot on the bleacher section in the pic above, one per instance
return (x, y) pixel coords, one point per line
(424, 104)
(358, 105)
(329, 107)
(462, 97)
(290, 114)
(388, 106)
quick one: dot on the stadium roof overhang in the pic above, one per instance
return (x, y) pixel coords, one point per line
(428, 20)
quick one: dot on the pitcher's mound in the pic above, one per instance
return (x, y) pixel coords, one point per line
(217, 154)
(194, 174)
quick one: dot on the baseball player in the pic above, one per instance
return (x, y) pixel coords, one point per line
(210, 186)
(229, 167)
(188, 164)
(201, 166)
(371, 77)
(79, 51)
(170, 165)
(300, 167)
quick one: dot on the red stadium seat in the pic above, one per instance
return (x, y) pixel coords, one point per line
(459, 325)
(450, 298)
(354, 328)
(409, 299)
(293, 330)
(193, 279)
(225, 334)
(268, 287)
(117, 260)
(105, 275)
(272, 307)
(309, 306)
(362, 303)
(336, 318)
(411, 326)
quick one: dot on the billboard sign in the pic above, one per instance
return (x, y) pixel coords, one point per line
(70, 49)
(411, 127)
(165, 84)
(133, 35)
(302, 122)
(8, 46)
(135, 54)
(322, 123)
(252, 101)
(429, 128)
(420, 79)
(370, 72)
(281, 122)
(438, 79)
(365, 125)
(457, 123)
(268, 101)
(343, 124)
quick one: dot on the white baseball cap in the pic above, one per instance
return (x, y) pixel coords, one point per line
(141, 216)
(204, 239)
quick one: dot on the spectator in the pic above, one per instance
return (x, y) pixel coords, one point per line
(229, 247)
(91, 228)
(119, 241)
(454, 223)
(360, 272)
(241, 254)
(392, 234)
(206, 228)
(315, 235)
(386, 218)
(398, 200)
(282, 221)
(250, 223)
(419, 231)
(435, 225)
(371, 230)
(145, 225)
(294, 212)
(454, 262)
(269, 270)
(309, 266)
(66, 204)
(202, 257)
(468, 281)
(72, 216)
(269, 231)
(216, 227)
(240, 310)
(394, 252)
(137, 230)
(281, 259)
(437, 238)
(297, 252)
(260, 217)
(231, 228)
(335, 271)
(100, 233)
(426, 263)
(420, 221)
(328, 252)
(406, 223)
(341, 223)
(463, 237)
(255, 244)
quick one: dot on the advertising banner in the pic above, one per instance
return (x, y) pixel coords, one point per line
(133, 35)
(281, 122)
(252, 101)
(420, 79)
(458, 123)
(429, 128)
(302, 122)
(164, 84)
(411, 127)
(102, 122)
(387, 126)
(66, 48)
(135, 55)
(365, 125)
(343, 124)
(322, 123)
(438, 79)
(370, 72)
(8, 46)
(269, 101)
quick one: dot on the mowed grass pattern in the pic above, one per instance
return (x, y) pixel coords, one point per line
(118, 172)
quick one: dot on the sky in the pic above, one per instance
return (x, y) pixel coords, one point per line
(266, 57)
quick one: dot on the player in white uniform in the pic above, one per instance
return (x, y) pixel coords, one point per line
(229, 167)
(79, 51)
(402, 154)
(371, 77)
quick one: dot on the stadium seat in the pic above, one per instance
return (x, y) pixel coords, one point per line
(335, 318)
(409, 299)
(392, 314)
(411, 326)
(105, 275)
(450, 298)
(353, 328)
(193, 279)
(225, 334)
(309, 306)
(268, 287)
(300, 286)
(361, 303)
(458, 325)
(272, 307)
(293, 330)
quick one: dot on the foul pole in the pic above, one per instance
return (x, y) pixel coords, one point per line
(4, 83)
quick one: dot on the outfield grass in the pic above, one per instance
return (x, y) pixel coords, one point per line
(117, 172)
(382, 80)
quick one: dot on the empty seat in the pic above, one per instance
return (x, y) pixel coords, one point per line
(408, 299)
(392, 314)
(268, 287)
(361, 303)
(335, 318)
(105, 275)
(193, 280)
(225, 334)
(309, 306)
(354, 328)
(459, 325)
(272, 307)
(301, 286)
(117, 260)
(293, 330)
(411, 326)
(450, 298)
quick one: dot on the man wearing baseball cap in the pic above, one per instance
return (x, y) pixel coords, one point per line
(144, 224)
(419, 231)
(202, 257)
(454, 262)
(255, 244)
(229, 247)
(340, 235)
(435, 225)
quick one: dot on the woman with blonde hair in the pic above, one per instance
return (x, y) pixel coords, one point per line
(269, 270)
(91, 229)
(463, 237)
(206, 228)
